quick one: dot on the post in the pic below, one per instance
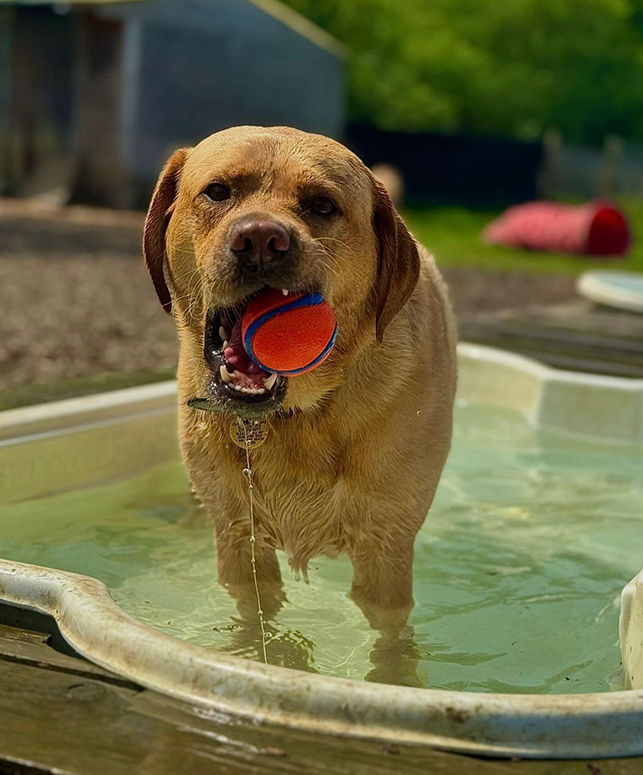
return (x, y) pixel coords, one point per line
(607, 177)
(548, 183)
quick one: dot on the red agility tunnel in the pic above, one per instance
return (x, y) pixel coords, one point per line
(595, 229)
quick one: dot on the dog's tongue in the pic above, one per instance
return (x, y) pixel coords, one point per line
(246, 371)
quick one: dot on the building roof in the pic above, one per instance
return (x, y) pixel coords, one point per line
(66, 2)
(274, 8)
(302, 25)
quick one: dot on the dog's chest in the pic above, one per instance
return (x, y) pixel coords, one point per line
(306, 511)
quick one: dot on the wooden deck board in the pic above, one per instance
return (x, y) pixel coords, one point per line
(55, 717)
(577, 336)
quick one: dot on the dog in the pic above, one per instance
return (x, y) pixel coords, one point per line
(356, 447)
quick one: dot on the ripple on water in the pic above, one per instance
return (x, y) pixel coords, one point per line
(518, 569)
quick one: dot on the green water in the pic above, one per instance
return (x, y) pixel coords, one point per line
(518, 569)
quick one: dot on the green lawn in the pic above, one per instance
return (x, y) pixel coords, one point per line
(452, 234)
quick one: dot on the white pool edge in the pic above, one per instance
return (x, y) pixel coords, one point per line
(631, 632)
(530, 726)
(548, 398)
(587, 404)
(115, 405)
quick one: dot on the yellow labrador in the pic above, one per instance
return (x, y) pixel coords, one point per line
(356, 447)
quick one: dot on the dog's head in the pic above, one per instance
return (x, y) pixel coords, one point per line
(250, 208)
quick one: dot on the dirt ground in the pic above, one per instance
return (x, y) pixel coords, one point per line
(76, 300)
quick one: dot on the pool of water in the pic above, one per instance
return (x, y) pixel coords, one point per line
(518, 568)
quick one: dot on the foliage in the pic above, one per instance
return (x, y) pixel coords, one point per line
(512, 66)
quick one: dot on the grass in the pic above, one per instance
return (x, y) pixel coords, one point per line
(453, 236)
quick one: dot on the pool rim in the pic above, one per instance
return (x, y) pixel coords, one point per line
(595, 725)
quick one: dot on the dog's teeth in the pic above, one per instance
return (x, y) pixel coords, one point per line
(223, 334)
(260, 391)
(225, 374)
(285, 291)
(247, 391)
(225, 344)
(269, 383)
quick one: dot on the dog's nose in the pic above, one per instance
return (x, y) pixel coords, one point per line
(258, 242)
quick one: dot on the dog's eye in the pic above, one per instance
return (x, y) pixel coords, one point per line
(323, 205)
(217, 192)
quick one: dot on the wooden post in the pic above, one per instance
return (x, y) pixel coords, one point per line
(97, 107)
(548, 184)
(6, 46)
(607, 178)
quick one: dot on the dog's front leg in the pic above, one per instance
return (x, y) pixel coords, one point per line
(383, 581)
(231, 517)
(383, 589)
(235, 573)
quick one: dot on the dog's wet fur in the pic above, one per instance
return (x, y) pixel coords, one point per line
(356, 447)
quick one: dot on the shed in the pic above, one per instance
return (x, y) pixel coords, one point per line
(95, 95)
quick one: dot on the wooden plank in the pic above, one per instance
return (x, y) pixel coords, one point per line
(63, 725)
(89, 727)
(575, 336)
(579, 318)
(53, 721)
(564, 357)
(30, 647)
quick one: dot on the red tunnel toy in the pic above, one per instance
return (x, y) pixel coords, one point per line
(595, 229)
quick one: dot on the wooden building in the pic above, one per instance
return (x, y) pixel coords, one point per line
(95, 95)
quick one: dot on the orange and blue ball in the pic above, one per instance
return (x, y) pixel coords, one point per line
(288, 335)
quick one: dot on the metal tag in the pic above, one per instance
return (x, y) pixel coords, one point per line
(249, 434)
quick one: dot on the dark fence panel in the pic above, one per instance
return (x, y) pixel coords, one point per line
(458, 169)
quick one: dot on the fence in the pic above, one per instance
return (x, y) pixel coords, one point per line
(587, 173)
(482, 171)
(456, 169)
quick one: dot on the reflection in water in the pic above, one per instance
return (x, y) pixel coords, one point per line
(395, 658)
(285, 648)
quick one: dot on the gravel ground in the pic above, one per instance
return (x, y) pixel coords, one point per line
(76, 299)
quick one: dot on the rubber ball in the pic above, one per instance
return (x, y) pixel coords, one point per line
(288, 335)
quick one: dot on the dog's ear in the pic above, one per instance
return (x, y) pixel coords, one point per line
(398, 261)
(156, 221)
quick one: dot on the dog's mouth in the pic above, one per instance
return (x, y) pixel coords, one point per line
(235, 378)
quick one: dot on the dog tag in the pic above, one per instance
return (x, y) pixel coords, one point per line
(249, 434)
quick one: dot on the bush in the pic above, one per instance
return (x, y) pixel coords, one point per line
(510, 67)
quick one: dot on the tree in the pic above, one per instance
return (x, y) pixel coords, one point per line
(512, 66)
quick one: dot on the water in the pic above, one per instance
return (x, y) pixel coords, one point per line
(518, 569)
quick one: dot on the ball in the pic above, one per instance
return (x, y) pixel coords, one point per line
(288, 335)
